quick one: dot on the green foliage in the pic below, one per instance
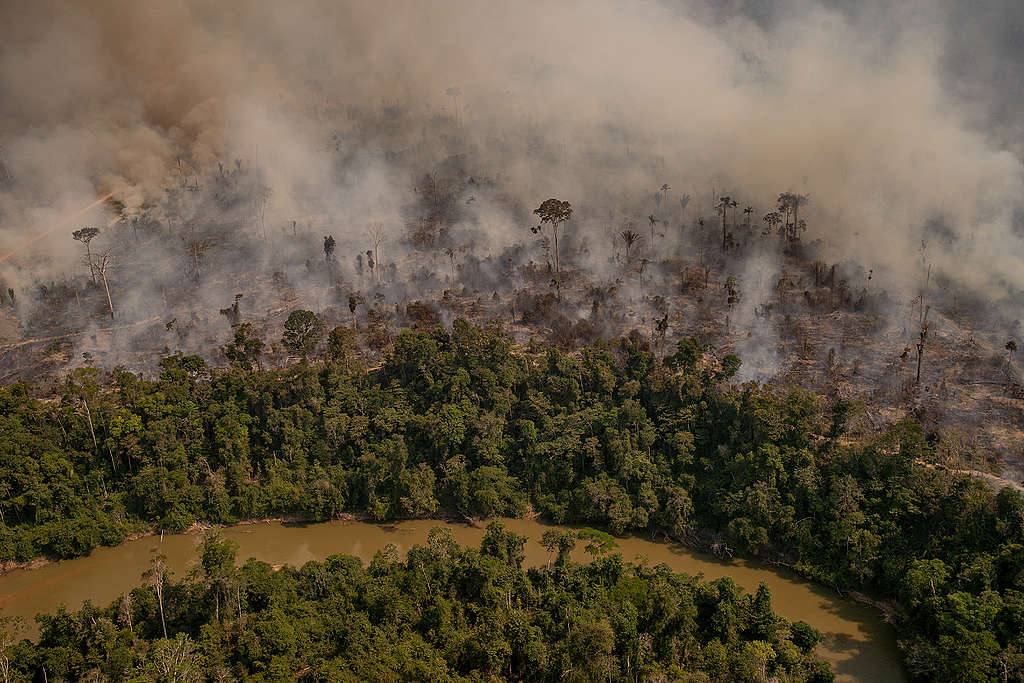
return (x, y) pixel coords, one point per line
(245, 347)
(597, 542)
(461, 421)
(341, 343)
(302, 332)
(443, 614)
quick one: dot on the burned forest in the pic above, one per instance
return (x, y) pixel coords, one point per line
(807, 209)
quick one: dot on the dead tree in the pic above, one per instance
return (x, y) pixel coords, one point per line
(377, 238)
(197, 248)
(450, 253)
(101, 268)
(920, 342)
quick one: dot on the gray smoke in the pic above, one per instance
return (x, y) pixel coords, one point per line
(890, 118)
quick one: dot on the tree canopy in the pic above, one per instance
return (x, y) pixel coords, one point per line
(462, 421)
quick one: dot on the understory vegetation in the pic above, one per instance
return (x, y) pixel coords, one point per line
(460, 421)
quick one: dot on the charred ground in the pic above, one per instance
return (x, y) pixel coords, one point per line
(662, 265)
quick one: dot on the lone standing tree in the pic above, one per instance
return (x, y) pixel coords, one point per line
(302, 332)
(723, 207)
(86, 235)
(920, 346)
(653, 220)
(101, 268)
(629, 238)
(355, 299)
(554, 212)
(155, 576)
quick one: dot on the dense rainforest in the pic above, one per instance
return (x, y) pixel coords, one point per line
(461, 421)
(444, 614)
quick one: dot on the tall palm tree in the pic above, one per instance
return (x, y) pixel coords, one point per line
(723, 207)
(450, 253)
(700, 239)
(684, 200)
(653, 220)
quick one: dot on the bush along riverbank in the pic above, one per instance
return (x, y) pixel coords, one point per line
(444, 614)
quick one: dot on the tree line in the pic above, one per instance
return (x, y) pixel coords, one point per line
(460, 421)
(444, 613)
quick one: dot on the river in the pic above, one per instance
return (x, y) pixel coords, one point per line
(858, 644)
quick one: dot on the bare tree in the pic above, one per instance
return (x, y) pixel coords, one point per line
(263, 197)
(450, 253)
(920, 345)
(156, 576)
(377, 238)
(85, 236)
(101, 268)
(176, 660)
(10, 629)
(196, 248)
(124, 611)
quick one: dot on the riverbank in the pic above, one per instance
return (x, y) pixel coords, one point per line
(7, 566)
(886, 609)
(858, 642)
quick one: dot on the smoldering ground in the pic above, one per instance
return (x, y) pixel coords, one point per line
(235, 135)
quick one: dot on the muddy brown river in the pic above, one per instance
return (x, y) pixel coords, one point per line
(859, 645)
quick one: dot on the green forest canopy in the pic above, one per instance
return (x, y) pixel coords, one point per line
(462, 421)
(444, 614)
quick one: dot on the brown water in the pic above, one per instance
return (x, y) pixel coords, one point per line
(858, 644)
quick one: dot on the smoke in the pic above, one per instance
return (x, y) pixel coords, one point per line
(340, 109)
